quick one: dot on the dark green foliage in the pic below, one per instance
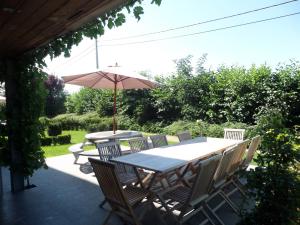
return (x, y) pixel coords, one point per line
(275, 182)
(201, 128)
(89, 121)
(90, 100)
(54, 129)
(3, 130)
(46, 141)
(57, 140)
(2, 112)
(232, 94)
(24, 127)
(61, 139)
(56, 96)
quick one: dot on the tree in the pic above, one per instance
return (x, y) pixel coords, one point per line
(56, 96)
(184, 66)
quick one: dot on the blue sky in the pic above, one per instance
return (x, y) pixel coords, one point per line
(268, 42)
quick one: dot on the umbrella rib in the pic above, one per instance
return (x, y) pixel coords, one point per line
(108, 78)
(100, 77)
(77, 76)
(142, 81)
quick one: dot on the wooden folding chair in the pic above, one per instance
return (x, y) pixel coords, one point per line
(234, 168)
(220, 179)
(159, 140)
(190, 201)
(138, 144)
(255, 142)
(126, 174)
(229, 165)
(234, 134)
(184, 136)
(122, 201)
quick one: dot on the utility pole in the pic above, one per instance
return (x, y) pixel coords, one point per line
(97, 61)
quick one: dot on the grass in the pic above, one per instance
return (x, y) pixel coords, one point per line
(77, 136)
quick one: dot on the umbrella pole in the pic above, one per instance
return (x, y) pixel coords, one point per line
(115, 108)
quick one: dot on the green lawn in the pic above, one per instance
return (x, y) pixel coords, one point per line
(77, 136)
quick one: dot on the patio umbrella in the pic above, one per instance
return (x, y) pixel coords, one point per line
(112, 78)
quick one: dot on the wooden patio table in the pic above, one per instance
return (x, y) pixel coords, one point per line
(165, 159)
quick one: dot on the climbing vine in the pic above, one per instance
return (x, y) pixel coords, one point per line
(31, 93)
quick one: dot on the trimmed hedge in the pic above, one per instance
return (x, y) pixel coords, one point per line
(89, 121)
(54, 129)
(61, 140)
(46, 141)
(58, 140)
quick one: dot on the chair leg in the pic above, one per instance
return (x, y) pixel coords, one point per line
(102, 203)
(107, 218)
(230, 203)
(214, 214)
(76, 155)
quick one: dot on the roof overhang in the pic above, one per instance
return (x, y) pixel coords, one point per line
(26, 25)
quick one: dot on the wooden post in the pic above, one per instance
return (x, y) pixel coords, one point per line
(115, 106)
(13, 112)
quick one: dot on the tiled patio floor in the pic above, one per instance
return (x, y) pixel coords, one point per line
(65, 195)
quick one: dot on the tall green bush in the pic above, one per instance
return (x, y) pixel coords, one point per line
(275, 182)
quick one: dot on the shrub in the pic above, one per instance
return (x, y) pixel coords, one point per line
(62, 139)
(201, 128)
(127, 123)
(275, 183)
(46, 141)
(3, 130)
(54, 129)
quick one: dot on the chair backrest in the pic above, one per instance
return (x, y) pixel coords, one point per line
(109, 150)
(225, 164)
(237, 159)
(159, 140)
(234, 134)
(138, 144)
(184, 136)
(255, 142)
(111, 187)
(204, 179)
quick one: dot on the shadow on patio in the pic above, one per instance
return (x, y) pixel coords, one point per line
(64, 195)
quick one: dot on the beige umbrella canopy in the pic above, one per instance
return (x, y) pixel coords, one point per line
(112, 78)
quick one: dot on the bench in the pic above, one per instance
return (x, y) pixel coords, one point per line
(77, 151)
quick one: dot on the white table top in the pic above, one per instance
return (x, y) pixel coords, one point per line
(168, 158)
(120, 134)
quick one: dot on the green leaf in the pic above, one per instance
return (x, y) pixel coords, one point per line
(138, 11)
(110, 23)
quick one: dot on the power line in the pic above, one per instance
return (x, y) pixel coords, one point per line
(88, 50)
(203, 22)
(203, 32)
(176, 28)
(77, 57)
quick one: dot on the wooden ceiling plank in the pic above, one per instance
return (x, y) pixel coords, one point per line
(40, 21)
(26, 11)
(8, 9)
(48, 29)
(38, 17)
